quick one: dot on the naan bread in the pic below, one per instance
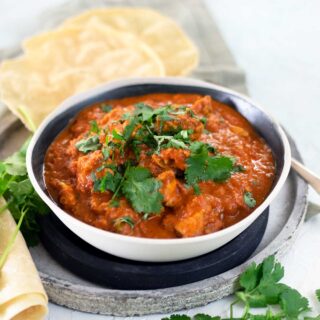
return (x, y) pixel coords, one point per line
(22, 296)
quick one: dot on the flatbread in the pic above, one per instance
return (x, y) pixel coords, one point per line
(22, 296)
(60, 63)
(177, 52)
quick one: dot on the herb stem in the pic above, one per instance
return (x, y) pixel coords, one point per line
(12, 239)
(3, 208)
(120, 183)
(231, 307)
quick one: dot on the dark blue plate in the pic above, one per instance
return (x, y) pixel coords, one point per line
(107, 270)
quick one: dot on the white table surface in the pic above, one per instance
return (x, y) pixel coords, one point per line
(277, 44)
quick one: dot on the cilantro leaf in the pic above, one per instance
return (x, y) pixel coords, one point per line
(144, 111)
(126, 219)
(94, 127)
(175, 143)
(117, 135)
(318, 294)
(203, 167)
(249, 279)
(89, 144)
(106, 107)
(15, 165)
(293, 303)
(128, 130)
(22, 201)
(219, 168)
(21, 189)
(260, 283)
(201, 316)
(142, 190)
(108, 182)
(249, 200)
(177, 317)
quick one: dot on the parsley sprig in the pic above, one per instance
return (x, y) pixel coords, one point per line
(259, 287)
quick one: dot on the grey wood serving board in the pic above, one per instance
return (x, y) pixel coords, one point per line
(286, 212)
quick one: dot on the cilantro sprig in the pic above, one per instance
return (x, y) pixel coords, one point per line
(259, 287)
(87, 145)
(201, 166)
(249, 200)
(21, 199)
(136, 184)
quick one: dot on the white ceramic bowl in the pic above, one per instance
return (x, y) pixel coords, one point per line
(144, 249)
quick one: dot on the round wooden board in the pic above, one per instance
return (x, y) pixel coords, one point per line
(64, 288)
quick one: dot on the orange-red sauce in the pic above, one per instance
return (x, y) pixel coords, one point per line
(185, 214)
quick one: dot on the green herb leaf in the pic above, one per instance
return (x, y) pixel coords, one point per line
(106, 107)
(22, 201)
(15, 165)
(250, 278)
(94, 127)
(293, 303)
(108, 182)
(142, 190)
(202, 316)
(114, 203)
(249, 200)
(177, 317)
(89, 144)
(202, 167)
(128, 220)
(117, 135)
(318, 294)
(128, 130)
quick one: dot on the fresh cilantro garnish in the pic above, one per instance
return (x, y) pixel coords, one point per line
(22, 201)
(293, 303)
(260, 287)
(113, 203)
(116, 135)
(109, 181)
(239, 168)
(145, 131)
(106, 107)
(128, 220)
(142, 190)
(90, 144)
(202, 316)
(94, 128)
(249, 200)
(128, 130)
(201, 166)
(136, 184)
(318, 294)
(105, 152)
(178, 317)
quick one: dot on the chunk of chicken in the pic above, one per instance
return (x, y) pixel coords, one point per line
(67, 196)
(85, 166)
(200, 215)
(171, 189)
(167, 159)
(203, 106)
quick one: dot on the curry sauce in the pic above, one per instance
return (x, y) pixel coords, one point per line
(87, 164)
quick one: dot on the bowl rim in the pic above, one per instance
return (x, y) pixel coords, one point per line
(77, 98)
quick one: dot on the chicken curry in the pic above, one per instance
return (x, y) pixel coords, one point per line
(159, 166)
